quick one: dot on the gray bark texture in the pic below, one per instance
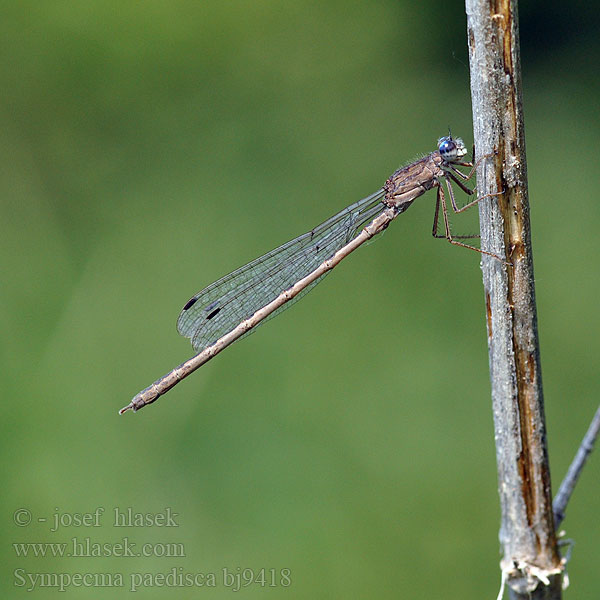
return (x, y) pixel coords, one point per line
(531, 565)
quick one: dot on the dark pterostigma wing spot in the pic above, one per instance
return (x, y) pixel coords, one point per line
(190, 303)
(213, 313)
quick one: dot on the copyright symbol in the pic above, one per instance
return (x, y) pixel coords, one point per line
(22, 517)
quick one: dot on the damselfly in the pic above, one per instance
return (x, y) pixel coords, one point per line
(233, 306)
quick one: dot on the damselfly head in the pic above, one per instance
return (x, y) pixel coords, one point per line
(451, 149)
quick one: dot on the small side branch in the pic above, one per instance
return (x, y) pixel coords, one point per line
(568, 485)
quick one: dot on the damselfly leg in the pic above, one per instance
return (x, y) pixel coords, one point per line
(453, 174)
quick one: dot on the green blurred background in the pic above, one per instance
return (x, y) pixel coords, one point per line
(149, 148)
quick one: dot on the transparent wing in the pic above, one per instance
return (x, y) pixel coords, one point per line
(221, 306)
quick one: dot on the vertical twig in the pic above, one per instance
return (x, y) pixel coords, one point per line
(531, 563)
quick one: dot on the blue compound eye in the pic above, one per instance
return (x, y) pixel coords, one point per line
(448, 149)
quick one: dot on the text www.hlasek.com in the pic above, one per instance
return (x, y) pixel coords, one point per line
(233, 579)
(85, 547)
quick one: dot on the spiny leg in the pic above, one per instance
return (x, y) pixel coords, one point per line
(448, 232)
(451, 171)
(454, 173)
(465, 189)
(441, 200)
(446, 221)
(434, 231)
(468, 176)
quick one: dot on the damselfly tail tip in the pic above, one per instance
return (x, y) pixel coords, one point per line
(126, 408)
